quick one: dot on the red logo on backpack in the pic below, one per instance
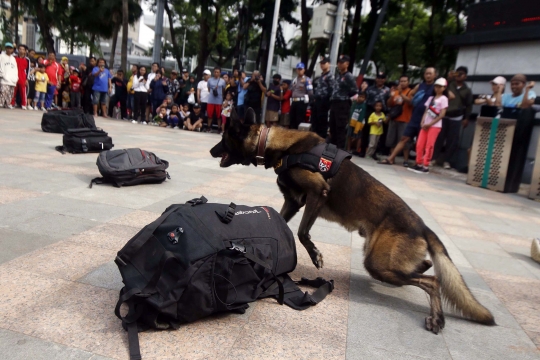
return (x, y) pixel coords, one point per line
(325, 165)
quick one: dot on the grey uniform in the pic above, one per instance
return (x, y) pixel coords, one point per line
(320, 107)
(300, 87)
(340, 107)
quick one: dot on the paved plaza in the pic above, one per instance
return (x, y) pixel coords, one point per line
(59, 284)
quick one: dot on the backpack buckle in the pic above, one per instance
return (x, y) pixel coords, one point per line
(198, 201)
(237, 247)
(229, 214)
(174, 235)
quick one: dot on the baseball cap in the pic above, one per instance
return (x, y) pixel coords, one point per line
(8, 44)
(381, 75)
(344, 58)
(207, 72)
(76, 70)
(519, 77)
(185, 71)
(463, 69)
(300, 65)
(325, 60)
(499, 80)
(441, 82)
(196, 106)
(64, 58)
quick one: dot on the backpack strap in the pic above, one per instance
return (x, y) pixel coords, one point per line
(229, 214)
(301, 301)
(101, 180)
(61, 149)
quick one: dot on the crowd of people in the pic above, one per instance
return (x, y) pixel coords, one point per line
(361, 119)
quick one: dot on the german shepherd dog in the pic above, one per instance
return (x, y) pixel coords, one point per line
(397, 239)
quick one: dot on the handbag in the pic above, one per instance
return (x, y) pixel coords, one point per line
(191, 99)
(395, 111)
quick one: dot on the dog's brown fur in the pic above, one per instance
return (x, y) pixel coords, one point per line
(397, 239)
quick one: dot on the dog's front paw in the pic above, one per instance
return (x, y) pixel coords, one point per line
(317, 258)
(435, 323)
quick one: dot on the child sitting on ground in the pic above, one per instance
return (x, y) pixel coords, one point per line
(161, 118)
(376, 121)
(184, 114)
(354, 131)
(195, 120)
(226, 110)
(174, 118)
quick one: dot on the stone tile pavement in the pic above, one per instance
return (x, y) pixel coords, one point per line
(59, 284)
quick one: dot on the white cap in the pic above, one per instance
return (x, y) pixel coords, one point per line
(441, 82)
(499, 80)
(207, 72)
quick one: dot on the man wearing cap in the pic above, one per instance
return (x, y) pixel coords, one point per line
(9, 76)
(255, 89)
(274, 98)
(202, 91)
(457, 115)
(517, 98)
(302, 90)
(321, 104)
(340, 103)
(23, 66)
(53, 70)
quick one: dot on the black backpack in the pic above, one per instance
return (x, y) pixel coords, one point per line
(130, 167)
(60, 121)
(85, 140)
(198, 259)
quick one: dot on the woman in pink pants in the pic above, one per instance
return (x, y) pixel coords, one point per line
(431, 125)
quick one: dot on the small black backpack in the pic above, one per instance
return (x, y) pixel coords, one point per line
(130, 167)
(85, 140)
(198, 259)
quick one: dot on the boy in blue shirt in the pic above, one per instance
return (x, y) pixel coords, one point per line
(102, 87)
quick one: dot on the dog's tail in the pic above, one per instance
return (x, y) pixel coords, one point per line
(454, 289)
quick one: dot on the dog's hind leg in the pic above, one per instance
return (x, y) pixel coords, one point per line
(314, 204)
(289, 209)
(424, 266)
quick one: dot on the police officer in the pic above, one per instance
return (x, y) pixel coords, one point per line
(340, 102)
(321, 104)
(302, 90)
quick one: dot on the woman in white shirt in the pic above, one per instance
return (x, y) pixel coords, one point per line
(141, 85)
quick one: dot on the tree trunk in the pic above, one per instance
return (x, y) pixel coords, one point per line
(15, 16)
(176, 49)
(304, 26)
(125, 19)
(44, 27)
(92, 41)
(355, 32)
(114, 40)
(318, 50)
(405, 44)
(204, 29)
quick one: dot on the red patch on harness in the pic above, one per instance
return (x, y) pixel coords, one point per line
(325, 165)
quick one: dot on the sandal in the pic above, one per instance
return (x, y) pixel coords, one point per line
(385, 162)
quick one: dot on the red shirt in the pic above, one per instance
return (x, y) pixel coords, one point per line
(52, 72)
(75, 83)
(22, 67)
(286, 102)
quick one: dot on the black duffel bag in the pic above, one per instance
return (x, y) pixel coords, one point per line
(198, 259)
(85, 140)
(127, 167)
(60, 121)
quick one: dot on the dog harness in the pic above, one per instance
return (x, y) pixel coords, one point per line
(323, 158)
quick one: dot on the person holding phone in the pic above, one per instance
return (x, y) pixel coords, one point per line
(102, 87)
(522, 95)
(140, 88)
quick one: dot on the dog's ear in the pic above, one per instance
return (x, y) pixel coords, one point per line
(250, 118)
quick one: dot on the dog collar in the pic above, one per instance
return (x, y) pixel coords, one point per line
(261, 148)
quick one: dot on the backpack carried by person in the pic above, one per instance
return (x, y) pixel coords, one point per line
(85, 140)
(130, 167)
(61, 120)
(199, 259)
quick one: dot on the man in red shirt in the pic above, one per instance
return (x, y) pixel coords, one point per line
(53, 71)
(23, 66)
(286, 94)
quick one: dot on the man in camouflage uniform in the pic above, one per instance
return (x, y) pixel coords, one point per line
(302, 90)
(340, 103)
(321, 104)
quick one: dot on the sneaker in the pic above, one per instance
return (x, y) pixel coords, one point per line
(447, 166)
(36, 108)
(29, 107)
(199, 129)
(126, 119)
(416, 168)
(144, 123)
(43, 109)
(10, 107)
(176, 127)
(23, 107)
(134, 121)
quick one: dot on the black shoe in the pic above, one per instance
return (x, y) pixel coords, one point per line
(416, 168)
